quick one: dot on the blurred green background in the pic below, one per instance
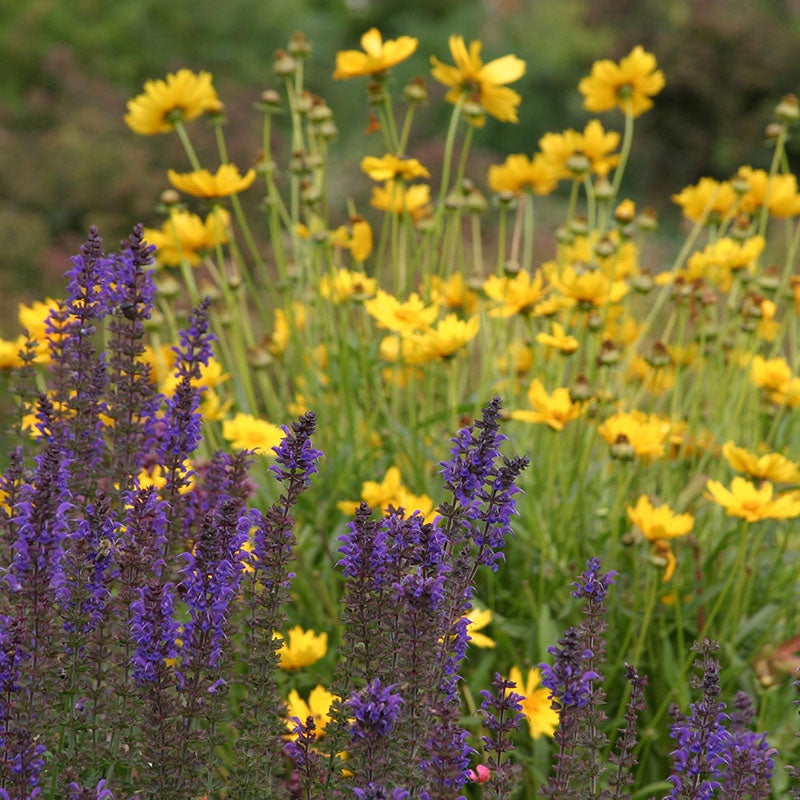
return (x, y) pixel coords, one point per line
(67, 161)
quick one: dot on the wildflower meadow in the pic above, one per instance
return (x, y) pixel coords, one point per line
(452, 482)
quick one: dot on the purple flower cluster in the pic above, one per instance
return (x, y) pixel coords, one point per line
(374, 709)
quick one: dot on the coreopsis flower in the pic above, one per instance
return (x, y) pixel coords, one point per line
(768, 327)
(345, 285)
(657, 380)
(518, 358)
(572, 154)
(766, 467)
(719, 261)
(183, 96)
(589, 288)
(629, 84)
(246, 432)
(318, 706)
(208, 376)
(283, 326)
(154, 475)
(442, 341)
(227, 180)
(558, 339)
(185, 236)
(518, 174)
(753, 503)
(542, 717)
(390, 492)
(478, 619)
(708, 199)
(554, 410)
(618, 258)
(355, 237)
(517, 295)
(33, 319)
(659, 522)
(391, 167)
(772, 374)
(302, 649)
(453, 293)
(481, 83)
(377, 57)
(396, 198)
(779, 192)
(645, 433)
(402, 317)
(9, 353)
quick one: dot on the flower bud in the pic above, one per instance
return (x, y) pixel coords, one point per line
(269, 101)
(578, 163)
(647, 220)
(659, 356)
(580, 391)
(608, 355)
(284, 65)
(788, 110)
(299, 45)
(169, 197)
(603, 190)
(622, 449)
(643, 282)
(416, 91)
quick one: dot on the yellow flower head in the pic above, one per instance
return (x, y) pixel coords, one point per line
(587, 287)
(318, 707)
(536, 706)
(185, 236)
(767, 467)
(559, 339)
(246, 432)
(627, 84)
(753, 503)
(402, 317)
(646, 433)
(517, 295)
(9, 353)
(477, 620)
(779, 193)
(391, 167)
(481, 83)
(453, 293)
(378, 56)
(572, 154)
(442, 341)
(183, 96)
(518, 174)
(708, 199)
(719, 261)
(554, 410)
(396, 198)
(346, 285)
(772, 374)
(302, 649)
(659, 522)
(226, 181)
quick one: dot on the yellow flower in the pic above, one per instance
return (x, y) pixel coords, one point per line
(9, 353)
(346, 285)
(708, 199)
(629, 84)
(482, 83)
(554, 410)
(536, 706)
(391, 167)
(284, 325)
(407, 317)
(768, 326)
(378, 56)
(518, 358)
(246, 432)
(752, 503)
(391, 492)
(478, 619)
(303, 648)
(770, 466)
(395, 198)
(518, 295)
(571, 154)
(454, 293)
(154, 475)
(518, 173)
(772, 374)
(779, 192)
(211, 375)
(184, 236)
(587, 287)
(33, 319)
(645, 433)
(559, 339)
(442, 341)
(718, 261)
(183, 96)
(318, 707)
(201, 183)
(659, 522)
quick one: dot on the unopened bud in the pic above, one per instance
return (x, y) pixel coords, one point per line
(416, 91)
(299, 45)
(284, 65)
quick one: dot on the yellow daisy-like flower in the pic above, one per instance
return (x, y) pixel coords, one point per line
(318, 707)
(536, 706)
(283, 327)
(719, 261)
(402, 317)
(589, 288)
(645, 433)
(754, 503)
(517, 295)
(9, 353)
(378, 56)
(396, 198)
(227, 180)
(709, 199)
(477, 620)
(441, 341)
(772, 374)
(554, 410)
(629, 84)
(185, 236)
(246, 432)
(518, 174)
(571, 154)
(453, 293)
(769, 466)
(559, 339)
(391, 492)
(659, 522)
(303, 648)
(346, 285)
(481, 83)
(183, 96)
(779, 193)
(391, 167)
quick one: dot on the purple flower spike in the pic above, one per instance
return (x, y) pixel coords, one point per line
(375, 710)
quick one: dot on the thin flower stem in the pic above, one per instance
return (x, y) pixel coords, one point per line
(627, 140)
